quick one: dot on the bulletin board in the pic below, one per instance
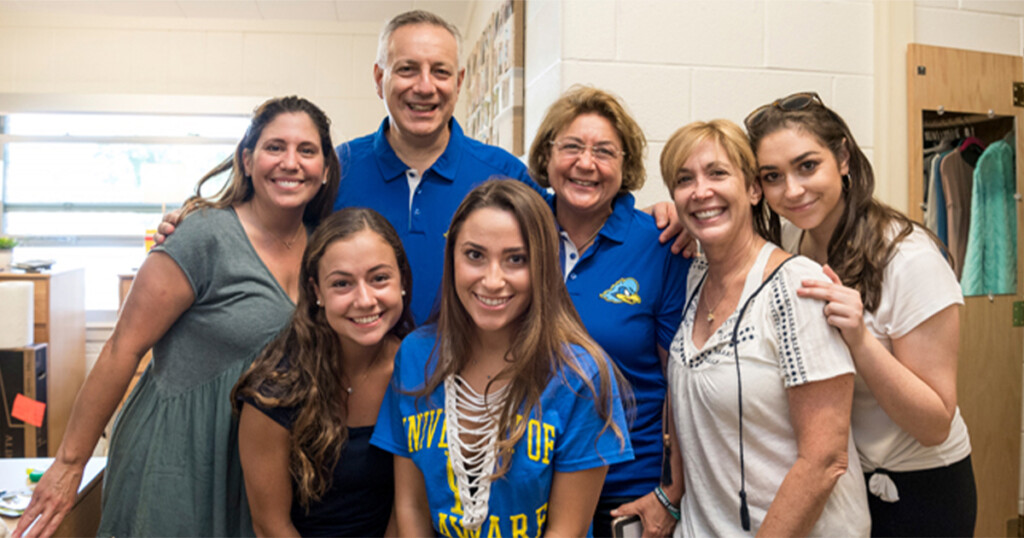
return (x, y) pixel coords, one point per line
(494, 80)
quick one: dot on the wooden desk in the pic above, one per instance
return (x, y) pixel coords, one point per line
(84, 517)
(60, 322)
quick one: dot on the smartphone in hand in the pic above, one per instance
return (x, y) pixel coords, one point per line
(627, 527)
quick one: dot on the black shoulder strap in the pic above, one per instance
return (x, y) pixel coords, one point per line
(744, 510)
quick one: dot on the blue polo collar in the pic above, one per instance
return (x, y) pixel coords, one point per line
(617, 226)
(445, 166)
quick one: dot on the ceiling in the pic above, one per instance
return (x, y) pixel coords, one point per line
(360, 11)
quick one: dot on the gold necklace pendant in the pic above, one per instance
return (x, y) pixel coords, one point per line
(711, 316)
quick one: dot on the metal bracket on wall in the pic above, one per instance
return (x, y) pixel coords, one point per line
(1018, 313)
(1018, 94)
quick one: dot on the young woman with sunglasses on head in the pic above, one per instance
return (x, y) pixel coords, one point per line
(504, 416)
(896, 302)
(309, 402)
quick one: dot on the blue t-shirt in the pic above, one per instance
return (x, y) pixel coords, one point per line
(629, 291)
(566, 437)
(373, 176)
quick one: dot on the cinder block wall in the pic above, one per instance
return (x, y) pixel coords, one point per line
(678, 61)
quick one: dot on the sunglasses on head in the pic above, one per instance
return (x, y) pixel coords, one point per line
(790, 103)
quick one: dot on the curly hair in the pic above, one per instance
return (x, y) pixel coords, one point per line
(302, 368)
(546, 330)
(239, 186)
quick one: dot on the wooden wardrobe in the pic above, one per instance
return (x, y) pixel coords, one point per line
(967, 84)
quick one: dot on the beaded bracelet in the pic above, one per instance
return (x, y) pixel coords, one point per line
(663, 499)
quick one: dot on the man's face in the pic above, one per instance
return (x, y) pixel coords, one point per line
(421, 79)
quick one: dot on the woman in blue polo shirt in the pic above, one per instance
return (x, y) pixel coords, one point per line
(504, 416)
(627, 287)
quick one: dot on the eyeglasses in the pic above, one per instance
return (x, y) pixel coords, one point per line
(790, 103)
(601, 152)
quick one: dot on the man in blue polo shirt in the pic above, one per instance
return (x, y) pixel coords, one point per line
(418, 166)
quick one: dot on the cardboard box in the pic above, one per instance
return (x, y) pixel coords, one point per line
(22, 370)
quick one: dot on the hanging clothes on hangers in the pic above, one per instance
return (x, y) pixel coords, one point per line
(990, 265)
(971, 150)
(935, 206)
(930, 154)
(957, 180)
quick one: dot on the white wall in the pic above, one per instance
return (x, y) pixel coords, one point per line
(155, 61)
(678, 61)
(982, 25)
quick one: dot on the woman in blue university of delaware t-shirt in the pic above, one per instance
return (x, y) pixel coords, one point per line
(504, 416)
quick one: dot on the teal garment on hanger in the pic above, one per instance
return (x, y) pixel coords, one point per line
(990, 265)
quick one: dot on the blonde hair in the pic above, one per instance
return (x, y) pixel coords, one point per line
(728, 136)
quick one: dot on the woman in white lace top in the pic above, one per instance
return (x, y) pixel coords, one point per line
(761, 385)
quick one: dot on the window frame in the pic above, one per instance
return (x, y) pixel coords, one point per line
(113, 104)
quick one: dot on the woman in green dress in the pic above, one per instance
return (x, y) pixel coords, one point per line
(206, 301)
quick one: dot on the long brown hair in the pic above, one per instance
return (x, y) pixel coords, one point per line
(546, 330)
(239, 185)
(302, 368)
(862, 244)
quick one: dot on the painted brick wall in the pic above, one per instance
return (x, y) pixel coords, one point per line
(678, 61)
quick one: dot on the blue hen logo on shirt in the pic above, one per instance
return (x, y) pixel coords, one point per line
(623, 291)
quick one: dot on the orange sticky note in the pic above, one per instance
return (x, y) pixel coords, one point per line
(29, 410)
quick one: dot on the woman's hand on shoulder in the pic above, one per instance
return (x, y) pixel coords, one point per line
(656, 520)
(166, 226)
(843, 309)
(666, 218)
(53, 498)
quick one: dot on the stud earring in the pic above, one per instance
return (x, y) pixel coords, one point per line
(318, 303)
(403, 293)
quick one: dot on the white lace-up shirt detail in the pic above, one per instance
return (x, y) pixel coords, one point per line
(472, 438)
